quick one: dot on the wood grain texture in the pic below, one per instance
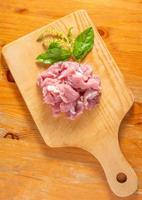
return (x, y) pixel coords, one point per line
(114, 20)
(95, 131)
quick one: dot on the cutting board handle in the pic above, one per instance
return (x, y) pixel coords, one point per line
(120, 175)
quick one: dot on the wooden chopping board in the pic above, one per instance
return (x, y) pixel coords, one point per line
(95, 131)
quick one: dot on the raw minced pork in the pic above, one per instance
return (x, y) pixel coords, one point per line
(69, 87)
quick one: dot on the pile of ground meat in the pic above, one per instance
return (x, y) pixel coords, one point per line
(70, 88)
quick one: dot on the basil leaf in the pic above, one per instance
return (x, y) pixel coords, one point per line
(83, 44)
(53, 44)
(54, 54)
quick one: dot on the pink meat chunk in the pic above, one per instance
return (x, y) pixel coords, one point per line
(70, 87)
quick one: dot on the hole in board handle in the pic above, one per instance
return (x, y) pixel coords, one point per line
(121, 177)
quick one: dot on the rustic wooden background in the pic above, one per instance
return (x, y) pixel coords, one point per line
(30, 170)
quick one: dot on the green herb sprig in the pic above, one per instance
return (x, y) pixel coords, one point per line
(54, 54)
(61, 47)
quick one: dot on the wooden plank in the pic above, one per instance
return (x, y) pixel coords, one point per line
(127, 53)
(98, 137)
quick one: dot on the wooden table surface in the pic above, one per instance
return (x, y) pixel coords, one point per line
(30, 170)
